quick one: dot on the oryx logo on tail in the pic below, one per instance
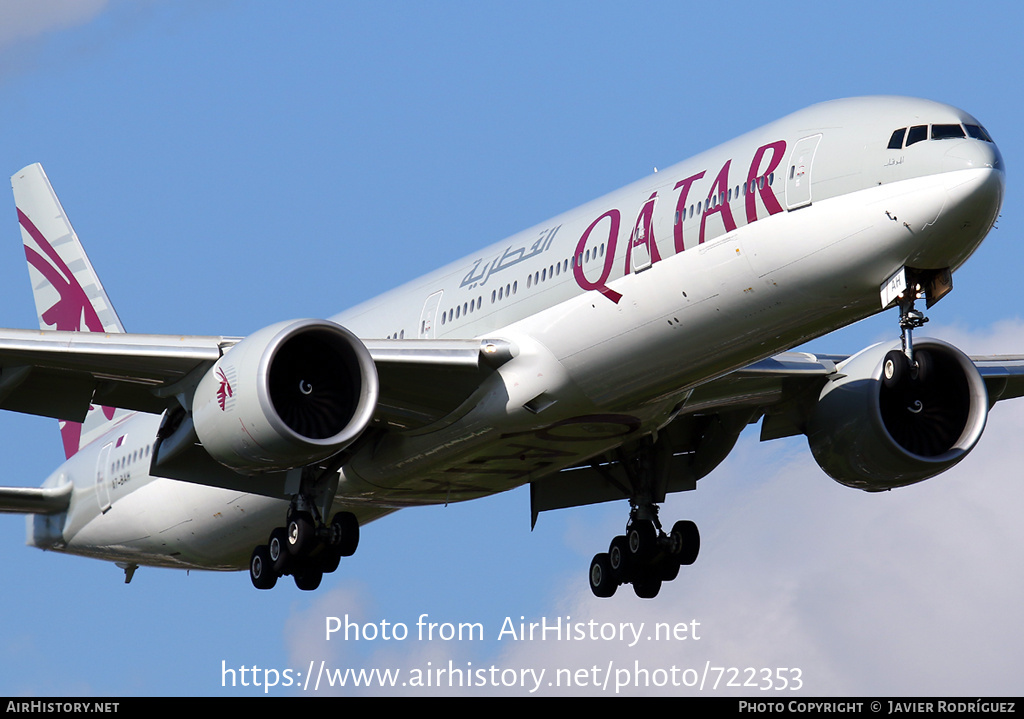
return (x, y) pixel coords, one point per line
(68, 294)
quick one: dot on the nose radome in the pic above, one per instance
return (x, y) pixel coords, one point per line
(974, 154)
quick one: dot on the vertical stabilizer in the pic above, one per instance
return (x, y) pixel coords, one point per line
(68, 293)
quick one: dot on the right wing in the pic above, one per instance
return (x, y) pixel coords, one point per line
(782, 392)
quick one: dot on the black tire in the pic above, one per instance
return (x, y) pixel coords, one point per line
(279, 552)
(895, 367)
(618, 558)
(668, 568)
(261, 570)
(642, 539)
(329, 560)
(602, 582)
(308, 579)
(301, 534)
(345, 532)
(923, 360)
(647, 587)
(685, 542)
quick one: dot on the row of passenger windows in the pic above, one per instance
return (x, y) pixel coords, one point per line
(905, 137)
(130, 458)
(723, 197)
(511, 288)
(543, 275)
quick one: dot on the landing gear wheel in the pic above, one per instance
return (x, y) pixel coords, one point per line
(618, 558)
(895, 366)
(923, 360)
(667, 568)
(345, 533)
(278, 547)
(646, 587)
(602, 582)
(329, 560)
(301, 534)
(261, 568)
(642, 538)
(309, 579)
(685, 541)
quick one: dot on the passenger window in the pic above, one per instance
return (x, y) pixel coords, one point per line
(947, 132)
(916, 134)
(896, 141)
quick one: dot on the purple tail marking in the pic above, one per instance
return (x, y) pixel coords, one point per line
(69, 313)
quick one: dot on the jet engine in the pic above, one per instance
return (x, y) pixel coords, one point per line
(291, 394)
(874, 429)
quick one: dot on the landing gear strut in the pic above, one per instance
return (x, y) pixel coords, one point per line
(645, 556)
(306, 547)
(904, 288)
(900, 363)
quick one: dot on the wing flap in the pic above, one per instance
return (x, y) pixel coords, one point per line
(424, 381)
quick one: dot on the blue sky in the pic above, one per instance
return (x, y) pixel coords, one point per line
(232, 164)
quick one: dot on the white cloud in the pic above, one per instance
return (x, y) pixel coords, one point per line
(23, 19)
(1004, 337)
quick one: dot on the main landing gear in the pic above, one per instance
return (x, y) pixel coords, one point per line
(306, 547)
(645, 556)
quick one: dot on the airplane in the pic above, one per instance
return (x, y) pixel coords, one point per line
(614, 352)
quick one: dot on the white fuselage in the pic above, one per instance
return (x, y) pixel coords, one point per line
(617, 310)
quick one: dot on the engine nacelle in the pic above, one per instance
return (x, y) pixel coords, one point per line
(291, 394)
(867, 435)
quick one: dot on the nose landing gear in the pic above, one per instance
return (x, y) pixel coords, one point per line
(904, 288)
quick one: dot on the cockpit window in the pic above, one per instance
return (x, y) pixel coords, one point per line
(947, 132)
(916, 134)
(978, 132)
(896, 141)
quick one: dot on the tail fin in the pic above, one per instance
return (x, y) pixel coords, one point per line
(68, 293)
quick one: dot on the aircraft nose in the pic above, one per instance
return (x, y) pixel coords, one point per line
(974, 154)
(980, 155)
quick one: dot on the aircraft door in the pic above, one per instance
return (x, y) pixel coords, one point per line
(428, 318)
(103, 477)
(642, 238)
(798, 176)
